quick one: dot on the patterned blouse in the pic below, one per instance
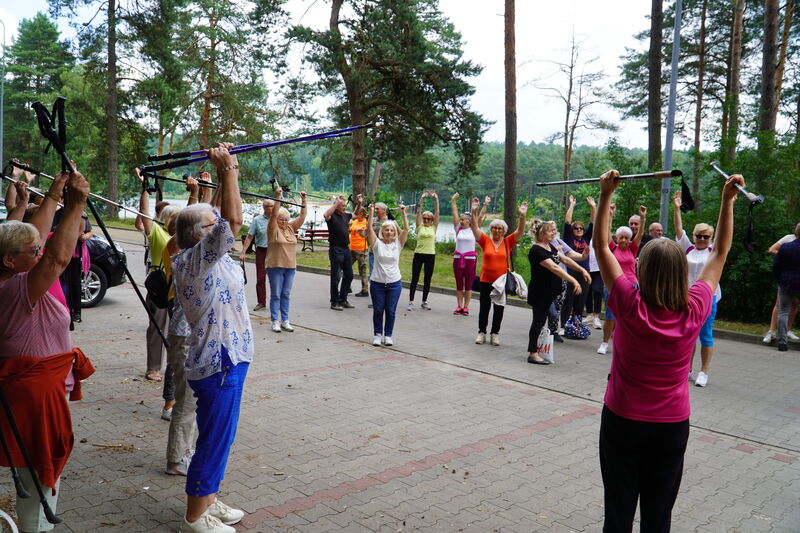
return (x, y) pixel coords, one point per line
(210, 289)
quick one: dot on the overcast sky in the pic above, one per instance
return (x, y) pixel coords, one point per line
(544, 29)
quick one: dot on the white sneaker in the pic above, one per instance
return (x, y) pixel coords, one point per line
(481, 338)
(206, 524)
(387, 341)
(285, 326)
(410, 306)
(596, 323)
(560, 331)
(276, 326)
(226, 514)
(494, 339)
(792, 336)
(166, 414)
(691, 376)
(603, 348)
(376, 340)
(425, 306)
(702, 379)
(768, 337)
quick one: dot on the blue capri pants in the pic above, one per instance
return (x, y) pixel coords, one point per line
(706, 332)
(218, 400)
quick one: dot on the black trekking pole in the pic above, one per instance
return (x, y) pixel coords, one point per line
(58, 140)
(48, 512)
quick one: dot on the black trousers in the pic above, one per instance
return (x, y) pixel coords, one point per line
(341, 273)
(640, 461)
(573, 304)
(594, 301)
(541, 306)
(486, 305)
(419, 261)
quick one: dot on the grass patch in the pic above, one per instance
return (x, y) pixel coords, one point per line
(741, 327)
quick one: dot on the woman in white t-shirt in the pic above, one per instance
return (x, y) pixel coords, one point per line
(773, 322)
(385, 283)
(465, 255)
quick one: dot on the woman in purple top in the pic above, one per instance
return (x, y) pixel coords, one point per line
(578, 236)
(645, 422)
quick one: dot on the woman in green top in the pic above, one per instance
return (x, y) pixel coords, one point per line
(425, 252)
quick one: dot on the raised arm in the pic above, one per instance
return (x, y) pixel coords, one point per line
(609, 266)
(570, 209)
(20, 195)
(418, 218)
(403, 232)
(676, 215)
(722, 243)
(642, 226)
(371, 237)
(435, 211)
(228, 173)
(193, 187)
(482, 215)
(473, 220)
(61, 245)
(144, 205)
(297, 223)
(205, 192)
(43, 217)
(454, 207)
(276, 206)
(522, 210)
(329, 212)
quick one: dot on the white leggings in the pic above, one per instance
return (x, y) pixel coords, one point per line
(29, 510)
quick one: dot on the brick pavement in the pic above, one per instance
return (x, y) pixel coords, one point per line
(436, 435)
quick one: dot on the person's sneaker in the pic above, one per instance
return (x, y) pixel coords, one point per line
(691, 376)
(465, 311)
(768, 337)
(481, 338)
(286, 326)
(370, 306)
(362, 294)
(783, 347)
(410, 306)
(560, 332)
(596, 323)
(494, 339)
(226, 514)
(425, 306)
(603, 348)
(337, 307)
(206, 524)
(557, 338)
(387, 341)
(458, 311)
(276, 326)
(259, 307)
(176, 469)
(347, 305)
(166, 414)
(792, 336)
(376, 340)
(702, 379)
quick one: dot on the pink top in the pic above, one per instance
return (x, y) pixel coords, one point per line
(652, 353)
(626, 259)
(40, 330)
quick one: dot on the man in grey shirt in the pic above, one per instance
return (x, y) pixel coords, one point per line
(258, 233)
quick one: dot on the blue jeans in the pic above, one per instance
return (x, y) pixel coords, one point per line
(384, 303)
(341, 270)
(280, 288)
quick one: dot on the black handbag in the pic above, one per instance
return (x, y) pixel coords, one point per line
(157, 287)
(511, 280)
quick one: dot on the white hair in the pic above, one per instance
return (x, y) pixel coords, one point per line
(283, 212)
(15, 234)
(389, 223)
(622, 230)
(499, 223)
(380, 204)
(188, 225)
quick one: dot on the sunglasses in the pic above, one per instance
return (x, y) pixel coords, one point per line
(35, 252)
(577, 228)
(208, 225)
(428, 219)
(703, 237)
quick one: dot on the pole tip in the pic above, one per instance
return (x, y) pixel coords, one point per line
(676, 173)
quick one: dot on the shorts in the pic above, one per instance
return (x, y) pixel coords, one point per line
(706, 332)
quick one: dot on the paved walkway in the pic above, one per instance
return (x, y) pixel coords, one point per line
(434, 435)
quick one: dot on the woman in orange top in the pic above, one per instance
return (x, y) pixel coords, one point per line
(358, 247)
(496, 260)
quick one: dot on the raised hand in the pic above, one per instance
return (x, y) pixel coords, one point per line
(487, 200)
(677, 200)
(609, 182)
(454, 197)
(642, 211)
(77, 190)
(591, 202)
(729, 192)
(571, 200)
(475, 203)
(23, 195)
(523, 208)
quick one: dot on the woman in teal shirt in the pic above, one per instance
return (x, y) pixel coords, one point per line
(425, 252)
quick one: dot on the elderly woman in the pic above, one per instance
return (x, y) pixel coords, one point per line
(578, 236)
(385, 281)
(425, 253)
(545, 283)
(210, 288)
(697, 253)
(282, 260)
(464, 256)
(496, 261)
(36, 351)
(625, 250)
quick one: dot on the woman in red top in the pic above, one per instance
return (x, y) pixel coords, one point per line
(496, 259)
(645, 422)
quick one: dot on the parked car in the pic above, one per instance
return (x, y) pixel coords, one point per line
(106, 271)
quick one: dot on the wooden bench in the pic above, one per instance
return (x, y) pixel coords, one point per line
(310, 235)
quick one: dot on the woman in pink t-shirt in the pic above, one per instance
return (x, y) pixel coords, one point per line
(645, 421)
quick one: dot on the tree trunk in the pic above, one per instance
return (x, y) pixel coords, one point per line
(654, 86)
(510, 167)
(769, 67)
(788, 17)
(698, 112)
(730, 141)
(376, 174)
(208, 93)
(359, 159)
(112, 135)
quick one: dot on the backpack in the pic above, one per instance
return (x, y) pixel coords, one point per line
(575, 329)
(157, 287)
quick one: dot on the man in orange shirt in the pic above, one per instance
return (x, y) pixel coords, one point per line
(358, 247)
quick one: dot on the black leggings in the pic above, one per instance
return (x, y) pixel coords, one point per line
(640, 461)
(594, 303)
(420, 260)
(486, 305)
(573, 304)
(541, 306)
